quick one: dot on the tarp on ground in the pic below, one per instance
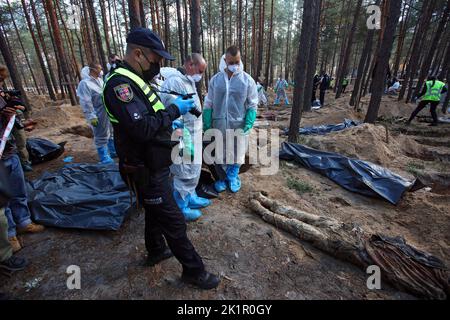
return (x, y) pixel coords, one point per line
(354, 175)
(42, 150)
(81, 196)
(325, 129)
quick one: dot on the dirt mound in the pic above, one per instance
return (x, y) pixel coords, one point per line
(395, 109)
(80, 130)
(390, 107)
(335, 113)
(58, 116)
(369, 142)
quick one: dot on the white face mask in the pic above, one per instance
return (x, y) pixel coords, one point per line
(196, 77)
(101, 74)
(233, 68)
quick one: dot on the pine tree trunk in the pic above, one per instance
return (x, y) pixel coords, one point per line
(447, 97)
(301, 67)
(88, 39)
(195, 26)
(343, 36)
(74, 62)
(98, 38)
(47, 78)
(142, 13)
(105, 26)
(113, 38)
(153, 16)
(230, 39)
(222, 8)
(446, 62)
(124, 13)
(22, 47)
(348, 50)
(166, 27)
(254, 42)
(211, 56)
(186, 32)
(363, 67)
(262, 12)
(73, 3)
(440, 54)
(58, 63)
(287, 52)
(269, 47)
(426, 64)
(180, 31)
(12, 67)
(21, 72)
(134, 14)
(239, 23)
(246, 34)
(60, 51)
(44, 47)
(204, 53)
(159, 19)
(336, 43)
(394, 10)
(118, 29)
(364, 60)
(401, 39)
(411, 69)
(312, 57)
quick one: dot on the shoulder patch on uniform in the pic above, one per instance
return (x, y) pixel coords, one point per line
(124, 92)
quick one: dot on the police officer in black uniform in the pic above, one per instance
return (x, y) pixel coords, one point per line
(142, 135)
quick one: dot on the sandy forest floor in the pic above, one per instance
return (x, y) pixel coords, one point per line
(255, 260)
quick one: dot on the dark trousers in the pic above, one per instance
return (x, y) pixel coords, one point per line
(322, 97)
(422, 105)
(344, 88)
(165, 222)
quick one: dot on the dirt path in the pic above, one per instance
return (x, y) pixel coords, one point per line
(255, 260)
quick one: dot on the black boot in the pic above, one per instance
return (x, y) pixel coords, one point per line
(154, 259)
(206, 280)
(14, 264)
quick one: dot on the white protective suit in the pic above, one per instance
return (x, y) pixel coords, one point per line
(186, 176)
(89, 92)
(261, 94)
(230, 99)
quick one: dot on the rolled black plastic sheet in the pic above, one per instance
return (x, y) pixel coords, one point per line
(328, 128)
(358, 176)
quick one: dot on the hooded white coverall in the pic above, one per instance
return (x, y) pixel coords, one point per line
(230, 99)
(186, 175)
(261, 94)
(89, 92)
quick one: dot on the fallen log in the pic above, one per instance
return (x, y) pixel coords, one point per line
(402, 265)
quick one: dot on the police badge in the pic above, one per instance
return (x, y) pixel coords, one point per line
(124, 92)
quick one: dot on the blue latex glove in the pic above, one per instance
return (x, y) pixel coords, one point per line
(177, 124)
(184, 105)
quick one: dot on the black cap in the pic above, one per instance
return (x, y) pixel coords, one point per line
(146, 38)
